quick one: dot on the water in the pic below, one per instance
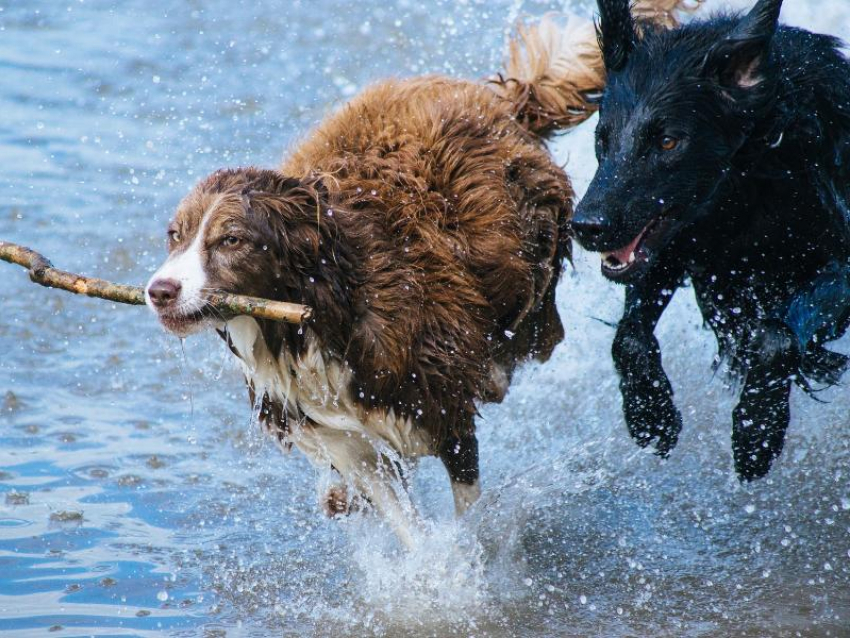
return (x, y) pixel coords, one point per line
(139, 498)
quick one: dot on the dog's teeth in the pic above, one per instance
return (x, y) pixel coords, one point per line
(631, 257)
(612, 264)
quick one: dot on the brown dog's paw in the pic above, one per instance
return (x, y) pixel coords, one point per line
(335, 502)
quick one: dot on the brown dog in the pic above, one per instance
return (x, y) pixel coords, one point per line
(425, 223)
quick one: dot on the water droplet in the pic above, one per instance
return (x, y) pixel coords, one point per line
(162, 596)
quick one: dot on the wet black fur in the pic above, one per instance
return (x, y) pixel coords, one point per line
(752, 206)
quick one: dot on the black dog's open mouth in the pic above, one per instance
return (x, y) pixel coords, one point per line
(618, 264)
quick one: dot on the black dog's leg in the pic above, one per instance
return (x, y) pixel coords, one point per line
(819, 313)
(761, 417)
(648, 405)
(460, 456)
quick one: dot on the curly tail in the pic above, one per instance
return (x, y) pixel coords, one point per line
(554, 68)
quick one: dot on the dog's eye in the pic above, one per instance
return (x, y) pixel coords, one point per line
(174, 236)
(231, 241)
(667, 143)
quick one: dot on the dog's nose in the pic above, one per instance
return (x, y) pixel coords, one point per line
(164, 292)
(588, 229)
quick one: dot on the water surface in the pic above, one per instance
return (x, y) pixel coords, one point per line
(139, 498)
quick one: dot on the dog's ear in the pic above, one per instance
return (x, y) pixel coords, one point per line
(616, 33)
(266, 181)
(737, 61)
(317, 186)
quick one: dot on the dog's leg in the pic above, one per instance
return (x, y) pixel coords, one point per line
(761, 417)
(336, 500)
(374, 476)
(651, 415)
(380, 490)
(819, 313)
(460, 456)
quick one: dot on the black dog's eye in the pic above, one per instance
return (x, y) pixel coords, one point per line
(668, 143)
(231, 241)
(174, 236)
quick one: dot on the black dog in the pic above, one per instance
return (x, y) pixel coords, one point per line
(724, 157)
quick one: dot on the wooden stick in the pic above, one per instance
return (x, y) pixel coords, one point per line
(42, 272)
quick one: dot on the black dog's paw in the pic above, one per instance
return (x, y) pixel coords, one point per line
(761, 417)
(759, 423)
(648, 407)
(652, 418)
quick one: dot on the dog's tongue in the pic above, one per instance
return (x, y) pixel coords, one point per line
(624, 254)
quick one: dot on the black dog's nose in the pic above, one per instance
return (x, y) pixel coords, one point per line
(588, 229)
(164, 292)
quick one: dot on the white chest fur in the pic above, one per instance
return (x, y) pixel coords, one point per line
(319, 388)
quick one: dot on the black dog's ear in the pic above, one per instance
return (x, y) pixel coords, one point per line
(616, 32)
(737, 61)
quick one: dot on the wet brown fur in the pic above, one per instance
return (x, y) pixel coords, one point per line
(427, 229)
(426, 224)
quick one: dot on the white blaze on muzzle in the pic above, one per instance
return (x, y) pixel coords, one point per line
(186, 268)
